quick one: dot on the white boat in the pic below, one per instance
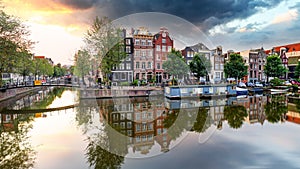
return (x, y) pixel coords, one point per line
(241, 91)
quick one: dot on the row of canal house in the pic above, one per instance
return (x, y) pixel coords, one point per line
(290, 56)
(147, 52)
(150, 51)
(255, 59)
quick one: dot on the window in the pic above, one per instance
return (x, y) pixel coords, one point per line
(137, 65)
(128, 116)
(138, 127)
(128, 66)
(137, 42)
(169, 48)
(158, 48)
(128, 41)
(157, 57)
(149, 65)
(217, 66)
(143, 42)
(150, 53)
(143, 53)
(163, 40)
(218, 75)
(129, 124)
(143, 65)
(149, 42)
(137, 53)
(221, 66)
(158, 65)
(123, 76)
(137, 116)
(164, 48)
(121, 66)
(128, 49)
(144, 127)
(150, 126)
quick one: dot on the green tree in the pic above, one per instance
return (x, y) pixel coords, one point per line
(235, 115)
(82, 64)
(200, 66)
(24, 64)
(235, 67)
(297, 70)
(274, 67)
(13, 43)
(107, 43)
(175, 64)
(42, 67)
(59, 71)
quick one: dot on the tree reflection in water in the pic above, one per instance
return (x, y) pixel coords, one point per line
(276, 108)
(103, 153)
(235, 115)
(178, 121)
(15, 148)
(106, 147)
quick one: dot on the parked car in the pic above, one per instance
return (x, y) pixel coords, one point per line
(258, 84)
(249, 84)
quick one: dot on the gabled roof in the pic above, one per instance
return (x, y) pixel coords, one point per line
(199, 46)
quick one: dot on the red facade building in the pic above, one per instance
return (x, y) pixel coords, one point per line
(162, 45)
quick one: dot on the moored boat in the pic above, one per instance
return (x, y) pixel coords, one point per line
(256, 90)
(241, 91)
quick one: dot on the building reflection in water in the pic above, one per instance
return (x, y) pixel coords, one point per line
(148, 122)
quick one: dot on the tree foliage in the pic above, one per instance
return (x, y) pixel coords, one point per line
(200, 66)
(175, 64)
(297, 70)
(235, 67)
(42, 67)
(106, 43)
(14, 45)
(274, 67)
(82, 64)
(276, 108)
(235, 115)
(59, 71)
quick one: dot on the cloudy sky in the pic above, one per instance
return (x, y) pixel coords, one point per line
(59, 25)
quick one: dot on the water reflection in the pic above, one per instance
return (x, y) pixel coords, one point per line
(16, 150)
(144, 127)
(276, 108)
(235, 115)
(125, 128)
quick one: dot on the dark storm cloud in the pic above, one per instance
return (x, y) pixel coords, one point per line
(203, 13)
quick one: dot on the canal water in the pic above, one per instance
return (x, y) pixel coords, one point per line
(260, 131)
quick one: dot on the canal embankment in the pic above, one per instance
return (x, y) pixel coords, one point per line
(16, 92)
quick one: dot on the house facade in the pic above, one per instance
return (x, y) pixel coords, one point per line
(162, 45)
(143, 54)
(290, 55)
(215, 56)
(255, 59)
(124, 71)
